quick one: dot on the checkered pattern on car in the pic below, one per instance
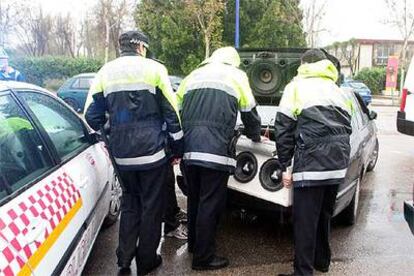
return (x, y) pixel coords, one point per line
(50, 202)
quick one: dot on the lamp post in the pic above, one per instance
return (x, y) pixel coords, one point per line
(237, 28)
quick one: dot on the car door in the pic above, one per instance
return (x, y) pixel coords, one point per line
(79, 162)
(26, 170)
(79, 90)
(347, 188)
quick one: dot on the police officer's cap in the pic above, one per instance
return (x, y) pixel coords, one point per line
(313, 55)
(133, 38)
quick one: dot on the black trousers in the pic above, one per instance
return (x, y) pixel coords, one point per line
(312, 213)
(170, 216)
(142, 209)
(207, 190)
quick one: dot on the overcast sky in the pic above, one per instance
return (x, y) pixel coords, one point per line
(344, 19)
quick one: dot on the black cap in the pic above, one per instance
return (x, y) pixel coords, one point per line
(313, 55)
(129, 40)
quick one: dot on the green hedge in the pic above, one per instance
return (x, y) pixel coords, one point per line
(38, 70)
(374, 78)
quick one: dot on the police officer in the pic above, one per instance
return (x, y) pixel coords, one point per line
(8, 73)
(137, 95)
(210, 98)
(313, 125)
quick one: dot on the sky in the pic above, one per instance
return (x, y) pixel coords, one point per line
(344, 19)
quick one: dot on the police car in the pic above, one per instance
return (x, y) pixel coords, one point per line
(57, 184)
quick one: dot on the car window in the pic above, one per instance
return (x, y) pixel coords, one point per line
(82, 83)
(23, 156)
(64, 128)
(356, 114)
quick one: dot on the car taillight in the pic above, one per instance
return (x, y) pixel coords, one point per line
(403, 99)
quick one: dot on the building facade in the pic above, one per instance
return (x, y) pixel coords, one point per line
(357, 54)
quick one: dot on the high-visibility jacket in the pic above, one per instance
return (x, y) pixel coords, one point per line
(11, 74)
(313, 125)
(210, 98)
(137, 95)
(13, 125)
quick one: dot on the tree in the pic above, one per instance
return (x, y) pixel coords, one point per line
(265, 23)
(402, 17)
(8, 19)
(207, 14)
(174, 38)
(346, 52)
(34, 30)
(313, 14)
(182, 45)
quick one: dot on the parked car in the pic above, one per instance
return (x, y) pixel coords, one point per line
(360, 88)
(175, 82)
(75, 90)
(257, 180)
(405, 125)
(57, 184)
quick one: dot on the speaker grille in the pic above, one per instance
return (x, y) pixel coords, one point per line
(246, 167)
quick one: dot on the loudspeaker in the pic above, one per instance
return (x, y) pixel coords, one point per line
(269, 71)
(246, 167)
(271, 175)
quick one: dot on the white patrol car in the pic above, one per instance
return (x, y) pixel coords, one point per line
(57, 184)
(405, 117)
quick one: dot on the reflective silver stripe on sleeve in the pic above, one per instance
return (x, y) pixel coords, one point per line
(287, 111)
(142, 160)
(128, 87)
(177, 136)
(300, 176)
(202, 156)
(248, 108)
(213, 85)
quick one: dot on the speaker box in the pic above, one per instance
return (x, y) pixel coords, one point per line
(270, 70)
(258, 173)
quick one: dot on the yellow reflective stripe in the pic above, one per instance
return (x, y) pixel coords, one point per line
(40, 253)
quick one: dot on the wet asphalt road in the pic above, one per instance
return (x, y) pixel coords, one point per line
(379, 244)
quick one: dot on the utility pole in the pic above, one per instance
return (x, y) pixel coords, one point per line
(237, 28)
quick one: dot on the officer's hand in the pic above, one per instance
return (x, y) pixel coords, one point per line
(175, 161)
(287, 180)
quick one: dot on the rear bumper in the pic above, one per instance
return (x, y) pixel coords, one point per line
(409, 214)
(404, 126)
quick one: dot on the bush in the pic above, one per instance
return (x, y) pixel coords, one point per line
(53, 84)
(374, 78)
(39, 69)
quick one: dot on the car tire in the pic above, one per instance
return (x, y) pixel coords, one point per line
(373, 163)
(73, 104)
(115, 204)
(350, 213)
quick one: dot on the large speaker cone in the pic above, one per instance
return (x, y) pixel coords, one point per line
(265, 77)
(246, 167)
(271, 175)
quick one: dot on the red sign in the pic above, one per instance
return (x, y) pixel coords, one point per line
(392, 73)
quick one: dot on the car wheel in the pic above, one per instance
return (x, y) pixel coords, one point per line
(374, 158)
(114, 204)
(73, 104)
(350, 213)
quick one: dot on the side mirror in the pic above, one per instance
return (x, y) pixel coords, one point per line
(94, 138)
(372, 115)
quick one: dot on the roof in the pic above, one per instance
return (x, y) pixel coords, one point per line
(7, 85)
